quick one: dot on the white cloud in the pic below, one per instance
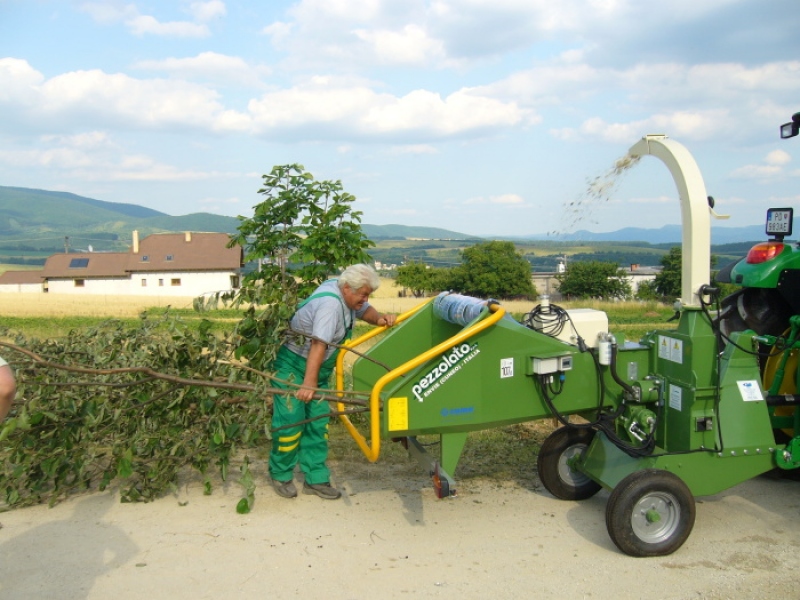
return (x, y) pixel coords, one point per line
(208, 65)
(325, 106)
(114, 12)
(509, 199)
(144, 24)
(411, 45)
(772, 167)
(206, 11)
(778, 157)
(94, 156)
(109, 12)
(82, 99)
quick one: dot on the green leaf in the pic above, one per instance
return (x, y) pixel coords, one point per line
(243, 507)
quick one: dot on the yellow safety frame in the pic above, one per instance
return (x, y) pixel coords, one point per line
(372, 449)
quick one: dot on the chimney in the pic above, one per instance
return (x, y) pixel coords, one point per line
(188, 236)
(135, 241)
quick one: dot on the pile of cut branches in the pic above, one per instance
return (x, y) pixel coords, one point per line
(130, 405)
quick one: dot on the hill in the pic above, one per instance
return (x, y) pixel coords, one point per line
(668, 234)
(409, 232)
(35, 223)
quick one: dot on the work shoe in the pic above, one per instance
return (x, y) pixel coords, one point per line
(285, 488)
(324, 490)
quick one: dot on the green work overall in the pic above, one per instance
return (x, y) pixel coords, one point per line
(308, 441)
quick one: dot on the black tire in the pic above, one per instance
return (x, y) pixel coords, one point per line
(650, 513)
(555, 456)
(760, 309)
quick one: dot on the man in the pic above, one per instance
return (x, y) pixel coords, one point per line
(8, 388)
(326, 317)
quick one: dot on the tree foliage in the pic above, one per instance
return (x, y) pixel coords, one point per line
(137, 406)
(667, 283)
(594, 279)
(415, 276)
(302, 233)
(493, 270)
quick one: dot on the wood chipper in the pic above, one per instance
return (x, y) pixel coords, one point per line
(678, 414)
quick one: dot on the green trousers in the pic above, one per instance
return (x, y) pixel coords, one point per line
(308, 442)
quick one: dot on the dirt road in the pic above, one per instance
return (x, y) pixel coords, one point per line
(389, 537)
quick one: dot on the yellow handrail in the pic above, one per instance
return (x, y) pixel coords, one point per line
(372, 450)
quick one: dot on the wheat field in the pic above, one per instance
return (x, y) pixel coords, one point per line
(15, 304)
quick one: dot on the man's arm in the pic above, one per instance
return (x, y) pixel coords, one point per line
(8, 389)
(373, 317)
(316, 356)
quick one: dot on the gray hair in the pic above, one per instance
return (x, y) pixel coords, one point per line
(357, 276)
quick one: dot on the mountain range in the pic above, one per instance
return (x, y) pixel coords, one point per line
(42, 219)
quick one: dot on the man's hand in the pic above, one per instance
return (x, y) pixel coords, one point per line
(386, 321)
(305, 393)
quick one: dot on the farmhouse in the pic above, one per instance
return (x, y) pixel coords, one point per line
(171, 264)
(21, 281)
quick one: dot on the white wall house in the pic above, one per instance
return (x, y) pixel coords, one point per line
(162, 264)
(21, 281)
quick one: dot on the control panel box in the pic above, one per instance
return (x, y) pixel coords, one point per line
(588, 322)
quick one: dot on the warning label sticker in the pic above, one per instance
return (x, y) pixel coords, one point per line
(750, 391)
(398, 414)
(670, 349)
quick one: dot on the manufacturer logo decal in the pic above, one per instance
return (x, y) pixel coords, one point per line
(450, 364)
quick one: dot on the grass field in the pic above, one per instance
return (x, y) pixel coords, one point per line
(53, 315)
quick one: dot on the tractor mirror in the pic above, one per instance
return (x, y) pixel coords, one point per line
(789, 130)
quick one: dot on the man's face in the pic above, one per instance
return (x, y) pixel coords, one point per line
(355, 299)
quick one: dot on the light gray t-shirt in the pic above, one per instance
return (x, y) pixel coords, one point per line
(326, 318)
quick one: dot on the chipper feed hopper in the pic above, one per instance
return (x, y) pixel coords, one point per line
(678, 414)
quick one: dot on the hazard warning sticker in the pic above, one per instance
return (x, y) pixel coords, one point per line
(670, 349)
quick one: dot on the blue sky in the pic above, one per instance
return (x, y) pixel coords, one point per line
(483, 117)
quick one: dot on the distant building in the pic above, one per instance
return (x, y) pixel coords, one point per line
(21, 281)
(162, 264)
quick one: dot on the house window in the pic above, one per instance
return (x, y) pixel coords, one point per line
(175, 281)
(79, 283)
(169, 257)
(145, 258)
(160, 283)
(79, 263)
(234, 282)
(144, 282)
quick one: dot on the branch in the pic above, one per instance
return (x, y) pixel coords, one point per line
(150, 374)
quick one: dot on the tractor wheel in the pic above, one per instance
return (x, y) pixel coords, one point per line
(759, 309)
(767, 313)
(650, 513)
(556, 457)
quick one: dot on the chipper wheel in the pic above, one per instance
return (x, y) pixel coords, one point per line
(650, 513)
(556, 457)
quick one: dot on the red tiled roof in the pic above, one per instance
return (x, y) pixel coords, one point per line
(86, 265)
(186, 252)
(19, 277)
(164, 252)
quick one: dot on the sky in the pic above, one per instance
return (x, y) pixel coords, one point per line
(490, 118)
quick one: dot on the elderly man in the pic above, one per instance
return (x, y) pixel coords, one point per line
(8, 388)
(324, 318)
